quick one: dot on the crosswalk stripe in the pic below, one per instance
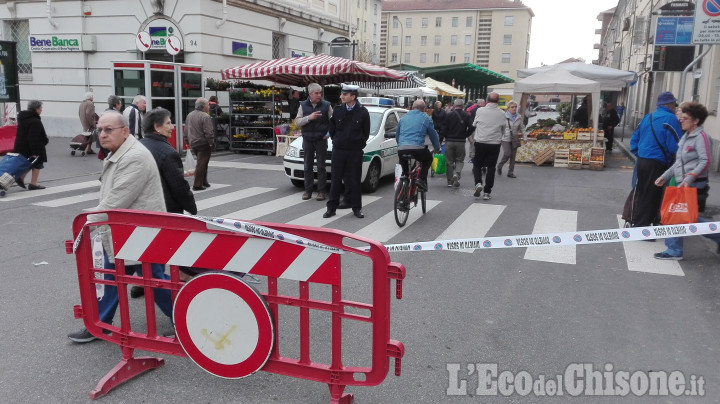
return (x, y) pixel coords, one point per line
(231, 197)
(549, 221)
(385, 228)
(14, 196)
(266, 208)
(639, 257)
(248, 166)
(70, 200)
(481, 216)
(315, 218)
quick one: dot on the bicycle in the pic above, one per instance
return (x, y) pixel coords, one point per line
(406, 193)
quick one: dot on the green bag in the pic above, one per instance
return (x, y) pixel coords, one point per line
(438, 164)
(672, 182)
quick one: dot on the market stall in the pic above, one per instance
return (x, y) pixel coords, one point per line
(443, 88)
(556, 80)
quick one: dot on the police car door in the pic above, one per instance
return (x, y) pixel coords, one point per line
(389, 146)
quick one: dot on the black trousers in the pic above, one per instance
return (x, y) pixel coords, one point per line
(648, 195)
(486, 155)
(315, 149)
(424, 156)
(346, 166)
(610, 136)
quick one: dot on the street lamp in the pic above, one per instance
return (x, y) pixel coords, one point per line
(395, 18)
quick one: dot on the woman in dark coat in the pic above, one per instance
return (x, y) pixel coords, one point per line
(30, 141)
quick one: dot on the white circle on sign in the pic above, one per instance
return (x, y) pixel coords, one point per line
(222, 326)
(173, 45)
(143, 41)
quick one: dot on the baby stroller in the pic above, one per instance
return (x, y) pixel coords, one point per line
(80, 143)
(13, 166)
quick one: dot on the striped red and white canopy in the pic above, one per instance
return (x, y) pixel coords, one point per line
(321, 69)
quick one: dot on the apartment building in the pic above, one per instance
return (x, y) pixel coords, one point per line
(365, 17)
(494, 34)
(628, 43)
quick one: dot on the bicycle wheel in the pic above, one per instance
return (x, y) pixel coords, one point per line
(422, 201)
(402, 205)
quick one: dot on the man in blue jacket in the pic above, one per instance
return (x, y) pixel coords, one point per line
(411, 132)
(654, 145)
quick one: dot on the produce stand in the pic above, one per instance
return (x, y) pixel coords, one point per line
(579, 138)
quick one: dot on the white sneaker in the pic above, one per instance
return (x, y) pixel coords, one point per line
(486, 196)
(456, 181)
(478, 190)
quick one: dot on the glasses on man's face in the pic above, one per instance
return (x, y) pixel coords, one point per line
(109, 129)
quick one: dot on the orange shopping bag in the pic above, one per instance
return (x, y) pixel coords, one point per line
(679, 206)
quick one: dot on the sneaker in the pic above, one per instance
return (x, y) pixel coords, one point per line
(665, 256)
(82, 336)
(478, 190)
(486, 196)
(450, 183)
(456, 181)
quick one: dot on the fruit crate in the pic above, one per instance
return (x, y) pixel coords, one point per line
(597, 158)
(543, 156)
(561, 157)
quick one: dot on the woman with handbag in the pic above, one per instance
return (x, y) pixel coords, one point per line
(690, 168)
(511, 140)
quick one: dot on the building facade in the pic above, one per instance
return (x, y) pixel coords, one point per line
(628, 43)
(214, 34)
(365, 18)
(494, 34)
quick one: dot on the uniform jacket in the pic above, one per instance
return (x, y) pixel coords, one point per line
(178, 197)
(412, 129)
(199, 129)
(643, 144)
(31, 138)
(350, 130)
(458, 126)
(694, 154)
(489, 124)
(88, 117)
(129, 180)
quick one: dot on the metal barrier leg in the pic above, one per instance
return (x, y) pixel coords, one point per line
(128, 368)
(338, 397)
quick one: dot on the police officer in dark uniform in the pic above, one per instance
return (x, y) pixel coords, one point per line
(349, 130)
(313, 116)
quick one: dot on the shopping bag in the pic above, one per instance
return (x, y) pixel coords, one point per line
(679, 206)
(189, 164)
(438, 164)
(398, 174)
(628, 213)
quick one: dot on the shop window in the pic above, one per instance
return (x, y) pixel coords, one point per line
(278, 46)
(20, 33)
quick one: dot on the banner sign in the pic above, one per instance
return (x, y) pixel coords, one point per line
(674, 30)
(8, 72)
(55, 43)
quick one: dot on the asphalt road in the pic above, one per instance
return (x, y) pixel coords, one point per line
(461, 313)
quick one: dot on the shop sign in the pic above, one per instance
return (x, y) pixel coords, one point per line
(297, 53)
(707, 22)
(674, 30)
(160, 30)
(8, 72)
(55, 43)
(242, 49)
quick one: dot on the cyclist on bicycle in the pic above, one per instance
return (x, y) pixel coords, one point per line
(410, 136)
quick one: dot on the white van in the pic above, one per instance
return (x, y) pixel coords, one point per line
(380, 153)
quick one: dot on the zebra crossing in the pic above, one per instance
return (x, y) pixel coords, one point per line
(262, 203)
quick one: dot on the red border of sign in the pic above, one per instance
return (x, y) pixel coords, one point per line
(233, 284)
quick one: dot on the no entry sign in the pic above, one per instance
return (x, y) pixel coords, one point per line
(224, 325)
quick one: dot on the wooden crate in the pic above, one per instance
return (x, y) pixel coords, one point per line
(543, 156)
(597, 158)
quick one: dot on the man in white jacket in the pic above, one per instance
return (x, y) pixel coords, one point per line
(130, 180)
(490, 124)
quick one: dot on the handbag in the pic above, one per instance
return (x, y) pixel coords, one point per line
(438, 164)
(514, 140)
(679, 206)
(628, 212)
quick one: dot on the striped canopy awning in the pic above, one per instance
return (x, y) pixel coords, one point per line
(321, 69)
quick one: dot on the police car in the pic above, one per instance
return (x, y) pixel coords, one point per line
(380, 153)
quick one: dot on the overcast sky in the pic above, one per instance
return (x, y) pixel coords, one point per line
(563, 29)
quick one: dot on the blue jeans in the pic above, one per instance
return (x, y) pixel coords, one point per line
(109, 302)
(675, 244)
